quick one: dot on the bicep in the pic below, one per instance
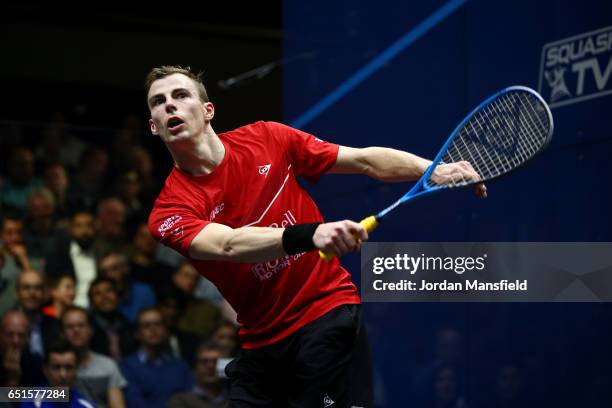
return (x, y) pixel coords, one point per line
(350, 160)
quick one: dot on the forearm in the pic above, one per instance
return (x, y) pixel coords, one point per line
(115, 398)
(392, 165)
(246, 244)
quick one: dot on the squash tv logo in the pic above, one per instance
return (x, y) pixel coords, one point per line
(577, 68)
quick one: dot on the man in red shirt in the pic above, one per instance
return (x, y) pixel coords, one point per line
(232, 205)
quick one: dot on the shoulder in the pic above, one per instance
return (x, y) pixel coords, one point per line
(102, 362)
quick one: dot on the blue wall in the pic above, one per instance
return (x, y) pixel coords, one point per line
(412, 102)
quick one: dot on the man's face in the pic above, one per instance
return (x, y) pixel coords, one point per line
(186, 278)
(177, 113)
(114, 267)
(104, 298)
(82, 229)
(111, 218)
(15, 332)
(76, 329)
(151, 329)
(61, 368)
(12, 232)
(30, 291)
(41, 213)
(144, 241)
(206, 367)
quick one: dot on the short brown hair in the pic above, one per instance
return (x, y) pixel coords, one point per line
(166, 70)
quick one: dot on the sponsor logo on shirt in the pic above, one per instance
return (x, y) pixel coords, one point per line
(263, 170)
(266, 270)
(216, 211)
(327, 401)
(169, 223)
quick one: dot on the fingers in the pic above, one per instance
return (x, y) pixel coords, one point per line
(340, 237)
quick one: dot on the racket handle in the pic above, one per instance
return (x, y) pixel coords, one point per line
(369, 223)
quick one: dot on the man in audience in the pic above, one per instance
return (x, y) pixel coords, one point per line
(182, 344)
(60, 367)
(21, 180)
(41, 237)
(197, 316)
(208, 391)
(98, 377)
(144, 266)
(153, 374)
(20, 368)
(77, 256)
(15, 257)
(30, 298)
(134, 295)
(112, 333)
(110, 223)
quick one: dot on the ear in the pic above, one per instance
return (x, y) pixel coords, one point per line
(153, 127)
(209, 111)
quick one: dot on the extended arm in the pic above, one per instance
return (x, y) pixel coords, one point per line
(259, 244)
(393, 165)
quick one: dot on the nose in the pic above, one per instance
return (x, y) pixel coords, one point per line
(170, 107)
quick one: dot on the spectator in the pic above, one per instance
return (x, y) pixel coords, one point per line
(90, 179)
(128, 189)
(153, 374)
(133, 295)
(208, 391)
(60, 367)
(225, 336)
(41, 236)
(20, 368)
(112, 334)
(30, 298)
(98, 377)
(76, 255)
(56, 180)
(21, 180)
(142, 163)
(62, 291)
(182, 344)
(144, 266)
(15, 257)
(197, 316)
(57, 145)
(110, 223)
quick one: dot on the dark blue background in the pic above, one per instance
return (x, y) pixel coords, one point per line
(557, 353)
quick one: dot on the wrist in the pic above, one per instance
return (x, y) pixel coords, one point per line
(298, 238)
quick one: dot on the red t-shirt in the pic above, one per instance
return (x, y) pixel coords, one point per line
(255, 185)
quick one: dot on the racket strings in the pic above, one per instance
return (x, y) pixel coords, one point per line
(499, 137)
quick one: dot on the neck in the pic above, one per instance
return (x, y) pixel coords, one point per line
(198, 155)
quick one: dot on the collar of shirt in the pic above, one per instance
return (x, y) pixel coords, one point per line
(76, 250)
(144, 357)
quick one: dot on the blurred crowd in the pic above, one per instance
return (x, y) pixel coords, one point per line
(88, 299)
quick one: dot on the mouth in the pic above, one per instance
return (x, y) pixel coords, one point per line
(175, 124)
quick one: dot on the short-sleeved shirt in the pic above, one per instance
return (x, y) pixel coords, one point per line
(256, 185)
(97, 376)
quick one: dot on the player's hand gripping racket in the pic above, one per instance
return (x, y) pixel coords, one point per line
(501, 134)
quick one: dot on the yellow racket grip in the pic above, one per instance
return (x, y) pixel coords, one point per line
(369, 223)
